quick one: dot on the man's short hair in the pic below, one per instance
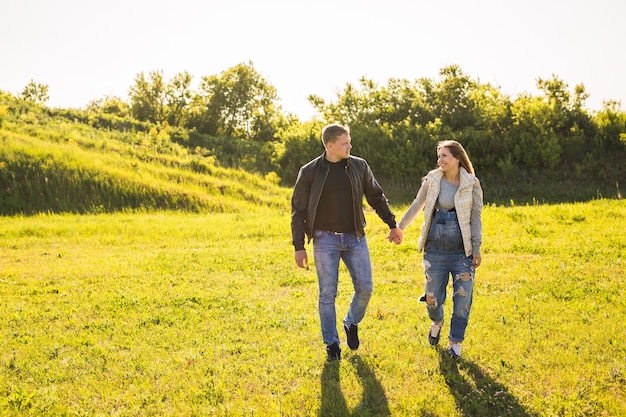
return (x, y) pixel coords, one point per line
(331, 132)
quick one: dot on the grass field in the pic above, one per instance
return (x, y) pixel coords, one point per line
(154, 314)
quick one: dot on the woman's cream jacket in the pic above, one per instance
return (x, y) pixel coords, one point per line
(463, 203)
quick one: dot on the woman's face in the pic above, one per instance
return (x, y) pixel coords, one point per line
(446, 161)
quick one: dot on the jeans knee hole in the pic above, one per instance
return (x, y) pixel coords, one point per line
(461, 293)
(466, 276)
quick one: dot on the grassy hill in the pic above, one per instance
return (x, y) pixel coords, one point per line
(56, 165)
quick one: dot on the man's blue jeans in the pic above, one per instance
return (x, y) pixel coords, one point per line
(328, 249)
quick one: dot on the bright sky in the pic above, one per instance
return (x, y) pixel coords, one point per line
(87, 49)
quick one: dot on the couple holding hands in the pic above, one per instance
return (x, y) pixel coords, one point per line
(327, 208)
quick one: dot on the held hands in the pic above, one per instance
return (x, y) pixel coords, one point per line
(395, 235)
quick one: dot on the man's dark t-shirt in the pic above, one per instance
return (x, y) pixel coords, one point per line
(335, 212)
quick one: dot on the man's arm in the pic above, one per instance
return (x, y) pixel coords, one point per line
(299, 203)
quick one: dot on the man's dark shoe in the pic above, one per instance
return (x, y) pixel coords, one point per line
(334, 352)
(352, 334)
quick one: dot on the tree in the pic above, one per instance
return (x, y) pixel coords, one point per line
(109, 105)
(404, 100)
(451, 99)
(178, 96)
(356, 105)
(35, 93)
(534, 142)
(148, 97)
(154, 100)
(302, 143)
(238, 103)
(567, 118)
(611, 123)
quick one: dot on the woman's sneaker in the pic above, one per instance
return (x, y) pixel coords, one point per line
(433, 334)
(454, 351)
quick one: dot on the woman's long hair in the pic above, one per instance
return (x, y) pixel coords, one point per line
(457, 151)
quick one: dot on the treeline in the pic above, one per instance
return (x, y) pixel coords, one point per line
(546, 146)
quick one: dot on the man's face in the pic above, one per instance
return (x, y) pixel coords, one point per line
(339, 149)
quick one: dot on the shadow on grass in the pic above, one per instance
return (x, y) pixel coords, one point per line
(373, 401)
(475, 392)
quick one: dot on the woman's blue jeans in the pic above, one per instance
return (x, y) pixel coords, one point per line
(328, 249)
(444, 256)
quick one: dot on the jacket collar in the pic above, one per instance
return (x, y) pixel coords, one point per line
(467, 179)
(323, 160)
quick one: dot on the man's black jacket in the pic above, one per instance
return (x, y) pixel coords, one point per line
(308, 189)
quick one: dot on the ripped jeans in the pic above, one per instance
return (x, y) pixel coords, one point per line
(444, 256)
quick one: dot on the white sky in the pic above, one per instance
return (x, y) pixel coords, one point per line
(87, 49)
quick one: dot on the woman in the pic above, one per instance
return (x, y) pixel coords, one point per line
(451, 235)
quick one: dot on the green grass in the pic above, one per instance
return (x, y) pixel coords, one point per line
(168, 313)
(58, 166)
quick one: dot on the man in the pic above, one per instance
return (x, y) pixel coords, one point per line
(327, 206)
